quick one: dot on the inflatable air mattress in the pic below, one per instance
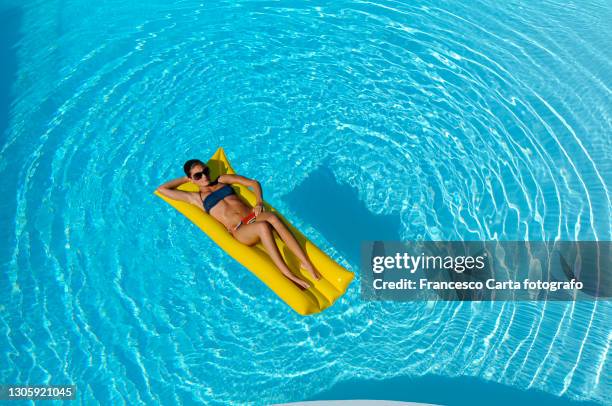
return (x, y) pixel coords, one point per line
(321, 294)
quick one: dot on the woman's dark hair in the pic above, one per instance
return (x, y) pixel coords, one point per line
(190, 164)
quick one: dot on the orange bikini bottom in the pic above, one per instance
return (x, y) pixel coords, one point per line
(246, 220)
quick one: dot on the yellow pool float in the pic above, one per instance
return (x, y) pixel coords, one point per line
(321, 294)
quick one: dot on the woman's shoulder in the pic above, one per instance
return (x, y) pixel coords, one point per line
(220, 184)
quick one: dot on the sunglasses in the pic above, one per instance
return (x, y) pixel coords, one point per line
(198, 175)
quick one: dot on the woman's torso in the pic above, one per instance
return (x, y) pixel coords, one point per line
(229, 210)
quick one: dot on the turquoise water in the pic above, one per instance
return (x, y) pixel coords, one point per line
(361, 120)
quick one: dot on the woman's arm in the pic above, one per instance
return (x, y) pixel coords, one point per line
(246, 182)
(174, 183)
(168, 189)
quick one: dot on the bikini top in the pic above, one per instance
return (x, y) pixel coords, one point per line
(216, 196)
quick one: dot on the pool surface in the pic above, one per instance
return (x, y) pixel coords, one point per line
(389, 120)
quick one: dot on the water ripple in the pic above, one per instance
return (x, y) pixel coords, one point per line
(465, 121)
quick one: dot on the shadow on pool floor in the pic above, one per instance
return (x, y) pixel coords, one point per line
(336, 211)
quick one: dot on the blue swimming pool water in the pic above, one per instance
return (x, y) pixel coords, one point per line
(361, 120)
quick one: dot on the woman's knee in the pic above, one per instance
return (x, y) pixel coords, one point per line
(272, 218)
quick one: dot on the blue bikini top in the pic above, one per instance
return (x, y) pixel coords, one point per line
(216, 196)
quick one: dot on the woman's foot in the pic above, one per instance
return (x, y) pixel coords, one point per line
(301, 284)
(311, 270)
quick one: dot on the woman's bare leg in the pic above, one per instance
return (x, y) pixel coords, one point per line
(251, 233)
(291, 242)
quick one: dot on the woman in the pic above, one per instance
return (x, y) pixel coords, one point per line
(247, 225)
